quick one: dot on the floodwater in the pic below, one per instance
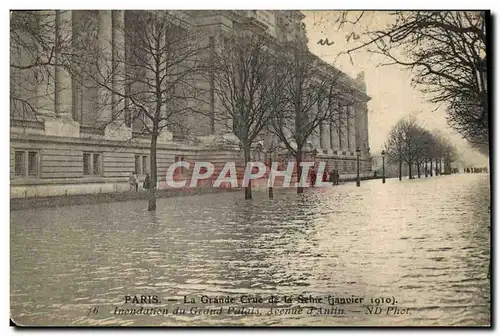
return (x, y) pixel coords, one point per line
(420, 248)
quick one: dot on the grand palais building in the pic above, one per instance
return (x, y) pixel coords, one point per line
(58, 150)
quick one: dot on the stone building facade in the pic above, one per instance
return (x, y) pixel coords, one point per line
(57, 149)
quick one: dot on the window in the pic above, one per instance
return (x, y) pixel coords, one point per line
(33, 163)
(92, 164)
(19, 163)
(86, 163)
(137, 164)
(141, 164)
(26, 163)
(144, 164)
(96, 164)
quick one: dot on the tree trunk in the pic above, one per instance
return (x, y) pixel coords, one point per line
(153, 175)
(248, 189)
(431, 169)
(400, 169)
(409, 171)
(425, 168)
(298, 160)
(418, 170)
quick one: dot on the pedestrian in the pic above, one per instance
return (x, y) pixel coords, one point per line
(332, 176)
(325, 176)
(147, 182)
(131, 181)
(337, 177)
(313, 177)
(136, 181)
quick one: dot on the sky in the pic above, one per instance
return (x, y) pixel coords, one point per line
(393, 95)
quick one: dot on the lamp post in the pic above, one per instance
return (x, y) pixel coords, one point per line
(358, 154)
(314, 154)
(270, 152)
(383, 166)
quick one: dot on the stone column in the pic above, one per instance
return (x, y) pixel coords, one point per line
(111, 28)
(315, 137)
(365, 134)
(64, 125)
(326, 135)
(359, 126)
(348, 129)
(45, 84)
(118, 104)
(315, 140)
(334, 137)
(212, 41)
(63, 81)
(104, 40)
(353, 128)
(343, 130)
(214, 135)
(362, 128)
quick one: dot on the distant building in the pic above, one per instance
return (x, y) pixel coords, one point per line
(58, 150)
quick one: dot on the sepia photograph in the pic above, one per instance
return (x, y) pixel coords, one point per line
(234, 168)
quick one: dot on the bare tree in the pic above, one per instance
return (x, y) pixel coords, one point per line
(246, 87)
(425, 151)
(395, 145)
(444, 152)
(411, 143)
(149, 78)
(428, 147)
(313, 93)
(446, 52)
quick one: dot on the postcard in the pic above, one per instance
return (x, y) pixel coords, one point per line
(249, 168)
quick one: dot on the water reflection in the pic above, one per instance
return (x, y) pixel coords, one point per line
(425, 242)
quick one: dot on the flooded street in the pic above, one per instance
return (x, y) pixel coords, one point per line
(423, 243)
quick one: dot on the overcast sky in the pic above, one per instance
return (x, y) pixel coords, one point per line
(390, 88)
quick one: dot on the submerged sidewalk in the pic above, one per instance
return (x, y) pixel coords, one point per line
(110, 197)
(98, 198)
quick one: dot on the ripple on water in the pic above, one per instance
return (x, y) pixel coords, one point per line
(428, 249)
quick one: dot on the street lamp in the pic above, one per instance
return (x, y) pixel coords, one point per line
(314, 154)
(358, 154)
(383, 166)
(270, 156)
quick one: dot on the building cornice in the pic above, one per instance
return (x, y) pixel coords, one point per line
(90, 141)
